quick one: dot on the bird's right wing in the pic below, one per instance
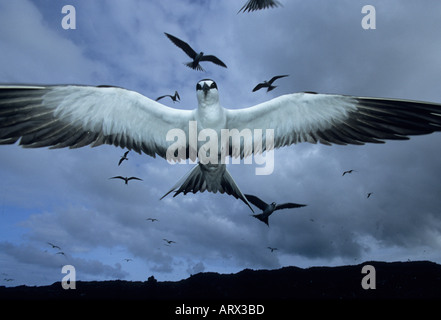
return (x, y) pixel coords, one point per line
(183, 45)
(76, 116)
(256, 201)
(253, 5)
(258, 87)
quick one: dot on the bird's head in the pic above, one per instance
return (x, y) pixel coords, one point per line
(206, 91)
(273, 205)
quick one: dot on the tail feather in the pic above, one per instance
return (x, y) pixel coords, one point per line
(212, 179)
(262, 217)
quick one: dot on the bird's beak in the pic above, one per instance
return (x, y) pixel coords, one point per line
(205, 88)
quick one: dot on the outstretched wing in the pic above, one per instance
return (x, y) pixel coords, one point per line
(253, 5)
(213, 59)
(289, 205)
(256, 201)
(183, 45)
(277, 77)
(134, 178)
(333, 119)
(76, 116)
(258, 87)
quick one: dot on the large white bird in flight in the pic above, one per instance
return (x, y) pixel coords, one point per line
(75, 116)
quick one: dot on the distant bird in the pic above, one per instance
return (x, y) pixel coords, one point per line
(369, 194)
(268, 84)
(127, 259)
(197, 57)
(126, 179)
(169, 241)
(348, 171)
(62, 253)
(174, 97)
(8, 279)
(124, 157)
(268, 209)
(54, 246)
(272, 249)
(253, 5)
(152, 219)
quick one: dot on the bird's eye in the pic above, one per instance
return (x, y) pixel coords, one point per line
(213, 85)
(198, 86)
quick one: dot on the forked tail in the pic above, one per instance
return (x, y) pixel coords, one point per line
(212, 178)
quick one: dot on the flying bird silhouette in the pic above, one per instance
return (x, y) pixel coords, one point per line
(197, 57)
(268, 209)
(128, 259)
(348, 171)
(174, 97)
(253, 5)
(272, 249)
(169, 241)
(124, 157)
(54, 246)
(152, 219)
(268, 84)
(126, 179)
(75, 116)
(369, 194)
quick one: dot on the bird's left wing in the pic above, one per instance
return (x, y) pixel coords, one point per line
(214, 59)
(332, 119)
(289, 205)
(74, 116)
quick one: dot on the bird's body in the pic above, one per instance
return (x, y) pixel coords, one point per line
(253, 5)
(54, 246)
(174, 97)
(169, 241)
(268, 84)
(369, 194)
(126, 179)
(75, 116)
(347, 171)
(124, 157)
(196, 57)
(268, 209)
(272, 249)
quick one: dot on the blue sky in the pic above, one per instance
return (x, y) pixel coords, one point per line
(65, 197)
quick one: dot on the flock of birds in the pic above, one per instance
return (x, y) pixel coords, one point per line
(40, 117)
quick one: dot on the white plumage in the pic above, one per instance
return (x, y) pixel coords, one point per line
(75, 116)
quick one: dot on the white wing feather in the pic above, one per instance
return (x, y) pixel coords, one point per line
(74, 116)
(334, 119)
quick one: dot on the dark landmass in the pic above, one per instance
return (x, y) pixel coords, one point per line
(393, 280)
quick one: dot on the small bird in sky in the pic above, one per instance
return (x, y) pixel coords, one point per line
(268, 209)
(54, 246)
(197, 57)
(152, 219)
(126, 179)
(272, 249)
(348, 171)
(61, 252)
(369, 194)
(253, 5)
(8, 279)
(268, 84)
(169, 241)
(124, 157)
(174, 97)
(128, 259)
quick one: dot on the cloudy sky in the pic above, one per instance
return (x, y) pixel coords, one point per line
(65, 196)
